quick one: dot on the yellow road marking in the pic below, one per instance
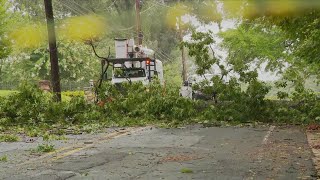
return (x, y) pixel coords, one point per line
(77, 149)
(46, 155)
(67, 153)
(104, 139)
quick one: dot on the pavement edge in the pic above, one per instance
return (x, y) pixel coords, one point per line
(313, 138)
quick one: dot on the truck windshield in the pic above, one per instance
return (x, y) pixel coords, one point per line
(129, 72)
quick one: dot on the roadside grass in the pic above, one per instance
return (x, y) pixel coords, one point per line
(9, 138)
(4, 158)
(186, 171)
(52, 137)
(43, 148)
(4, 93)
(66, 95)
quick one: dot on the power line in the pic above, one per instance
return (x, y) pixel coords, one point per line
(164, 55)
(126, 29)
(148, 9)
(81, 7)
(162, 4)
(113, 3)
(78, 9)
(63, 3)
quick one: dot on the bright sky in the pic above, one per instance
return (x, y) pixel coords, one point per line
(226, 25)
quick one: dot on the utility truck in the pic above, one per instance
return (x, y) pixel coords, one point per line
(134, 64)
(131, 64)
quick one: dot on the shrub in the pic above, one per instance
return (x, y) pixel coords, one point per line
(148, 102)
(25, 106)
(136, 104)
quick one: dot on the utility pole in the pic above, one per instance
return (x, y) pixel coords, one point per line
(138, 22)
(55, 79)
(183, 57)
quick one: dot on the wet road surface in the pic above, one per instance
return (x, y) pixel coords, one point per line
(153, 153)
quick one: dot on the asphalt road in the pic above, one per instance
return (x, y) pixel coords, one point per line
(152, 153)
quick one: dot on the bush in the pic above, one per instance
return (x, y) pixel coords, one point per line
(135, 104)
(32, 106)
(148, 102)
(25, 106)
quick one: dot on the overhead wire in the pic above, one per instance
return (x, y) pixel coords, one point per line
(162, 4)
(79, 10)
(161, 52)
(163, 55)
(81, 7)
(150, 8)
(113, 3)
(64, 3)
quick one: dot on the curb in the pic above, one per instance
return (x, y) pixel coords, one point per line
(313, 138)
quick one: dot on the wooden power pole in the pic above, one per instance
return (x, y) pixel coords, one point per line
(55, 79)
(183, 58)
(138, 22)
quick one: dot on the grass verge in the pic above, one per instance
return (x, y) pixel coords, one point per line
(9, 138)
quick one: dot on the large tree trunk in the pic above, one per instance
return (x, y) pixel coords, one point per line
(55, 79)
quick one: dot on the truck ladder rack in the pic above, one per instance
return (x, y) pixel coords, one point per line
(123, 60)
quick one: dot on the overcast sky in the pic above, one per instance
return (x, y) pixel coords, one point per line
(226, 25)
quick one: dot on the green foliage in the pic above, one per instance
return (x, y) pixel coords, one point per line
(302, 33)
(199, 49)
(9, 138)
(4, 93)
(76, 63)
(149, 102)
(286, 42)
(172, 76)
(50, 137)
(26, 105)
(76, 60)
(250, 104)
(248, 44)
(135, 104)
(31, 106)
(264, 37)
(5, 48)
(4, 22)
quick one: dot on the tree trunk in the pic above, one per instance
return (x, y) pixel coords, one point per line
(55, 79)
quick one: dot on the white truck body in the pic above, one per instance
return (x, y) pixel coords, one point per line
(138, 64)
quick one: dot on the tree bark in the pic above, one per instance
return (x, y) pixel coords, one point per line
(55, 79)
